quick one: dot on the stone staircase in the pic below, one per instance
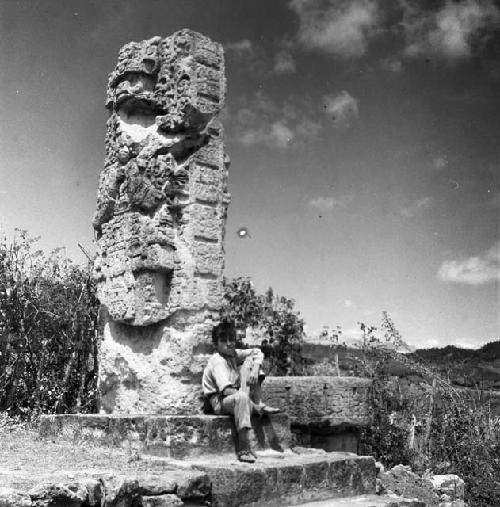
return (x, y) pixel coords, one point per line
(204, 444)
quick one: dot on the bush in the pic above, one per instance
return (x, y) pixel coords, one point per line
(426, 422)
(281, 328)
(48, 330)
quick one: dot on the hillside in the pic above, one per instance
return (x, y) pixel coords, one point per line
(466, 367)
(463, 367)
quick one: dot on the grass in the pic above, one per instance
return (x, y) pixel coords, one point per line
(27, 459)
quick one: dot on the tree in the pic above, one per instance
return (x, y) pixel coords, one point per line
(282, 328)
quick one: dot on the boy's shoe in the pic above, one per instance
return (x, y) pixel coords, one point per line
(267, 410)
(246, 456)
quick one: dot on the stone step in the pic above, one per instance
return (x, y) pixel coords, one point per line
(367, 501)
(288, 478)
(164, 435)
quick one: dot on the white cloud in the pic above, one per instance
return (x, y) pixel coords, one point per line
(342, 108)
(348, 303)
(440, 163)
(448, 32)
(330, 203)
(419, 205)
(263, 121)
(239, 47)
(280, 134)
(338, 27)
(478, 270)
(284, 63)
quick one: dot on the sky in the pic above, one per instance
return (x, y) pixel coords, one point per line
(364, 139)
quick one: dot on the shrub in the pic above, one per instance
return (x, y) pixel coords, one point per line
(48, 331)
(425, 422)
(279, 323)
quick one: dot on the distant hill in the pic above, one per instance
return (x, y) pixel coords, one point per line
(463, 367)
(466, 367)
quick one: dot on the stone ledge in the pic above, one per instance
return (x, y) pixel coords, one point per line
(169, 436)
(321, 401)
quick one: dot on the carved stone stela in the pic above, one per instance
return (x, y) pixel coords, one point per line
(160, 221)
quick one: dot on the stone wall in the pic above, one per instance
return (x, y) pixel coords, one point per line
(325, 412)
(321, 401)
(160, 220)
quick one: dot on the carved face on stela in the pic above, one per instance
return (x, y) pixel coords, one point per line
(163, 147)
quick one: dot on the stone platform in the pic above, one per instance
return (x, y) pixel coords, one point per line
(168, 436)
(288, 479)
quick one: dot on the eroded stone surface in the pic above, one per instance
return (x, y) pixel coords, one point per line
(160, 217)
(313, 475)
(321, 400)
(162, 195)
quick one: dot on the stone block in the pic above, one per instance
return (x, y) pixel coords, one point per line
(160, 501)
(321, 401)
(312, 475)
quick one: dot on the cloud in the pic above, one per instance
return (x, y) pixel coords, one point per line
(342, 108)
(348, 303)
(478, 270)
(392, 65)
(280, 135)
(419, 205)
(249, 57)
(308, 128)
(261, 120)
(241, 47)
(256, 59)
(440, 163)
(449, 32)
(330, 203)
(341, 28)
(284, 63)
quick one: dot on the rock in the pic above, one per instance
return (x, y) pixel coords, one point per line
(12, 498)
(69, 495)
(95, 492)
(450, 485)
(379, 486)
(161, 501)
(194, 486)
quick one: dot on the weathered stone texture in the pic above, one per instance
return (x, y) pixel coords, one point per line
(163, 192)
(321, 401)
(160, 218)
(290, 481)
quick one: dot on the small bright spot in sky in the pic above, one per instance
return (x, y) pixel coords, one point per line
(243, 233)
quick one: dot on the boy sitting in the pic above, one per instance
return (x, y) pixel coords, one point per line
(232, 384)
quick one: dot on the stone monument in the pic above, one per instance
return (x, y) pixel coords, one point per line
(160, 219)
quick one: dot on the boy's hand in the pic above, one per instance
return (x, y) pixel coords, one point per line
(228, 391)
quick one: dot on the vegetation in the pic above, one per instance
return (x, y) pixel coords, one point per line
(48, 331)
(421, 419)
(277, 321)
